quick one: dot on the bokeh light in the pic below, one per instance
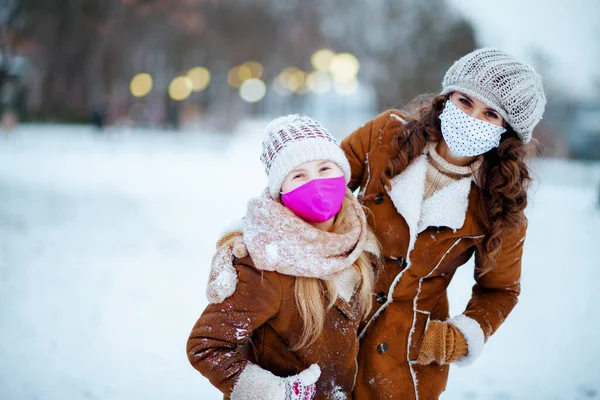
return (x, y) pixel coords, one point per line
(302, 89)
(200, 78)
(232, 78)
(244, 73)
(238, 75)
(256, 69)
(180, 88)
(292, 78)
(141, 84)
(321, 59)
(318, 82)
(253, 90)
(344, 67)
(279, 88)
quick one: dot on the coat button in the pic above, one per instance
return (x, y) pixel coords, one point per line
(381, 348)
(379, 199)
(381, 297)
(401, 262)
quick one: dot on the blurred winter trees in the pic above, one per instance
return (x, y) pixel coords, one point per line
(85, 52)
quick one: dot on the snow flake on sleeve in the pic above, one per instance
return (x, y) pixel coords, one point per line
(272, 252)
(241, 333)
(339, 394)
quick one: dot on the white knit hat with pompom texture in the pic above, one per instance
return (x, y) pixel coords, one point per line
(293, 140)
(510, 87)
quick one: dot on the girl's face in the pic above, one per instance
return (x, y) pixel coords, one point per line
(308, 171)
(476, 108)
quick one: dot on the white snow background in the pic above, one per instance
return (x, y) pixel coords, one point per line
(106, 241)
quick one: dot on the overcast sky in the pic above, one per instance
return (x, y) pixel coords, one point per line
(568, 31)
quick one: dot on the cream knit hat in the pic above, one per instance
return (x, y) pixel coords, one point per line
(293, 140)
(510, 87)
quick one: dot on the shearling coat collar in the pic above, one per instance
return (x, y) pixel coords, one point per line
(447, 207)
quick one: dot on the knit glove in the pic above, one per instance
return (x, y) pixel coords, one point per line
(442, 343)
(256, 383)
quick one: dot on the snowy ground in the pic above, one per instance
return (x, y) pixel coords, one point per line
(105, 243)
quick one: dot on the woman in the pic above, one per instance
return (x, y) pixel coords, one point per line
(283, 323)
(441, 185)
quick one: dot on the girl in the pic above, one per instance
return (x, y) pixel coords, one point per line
(285, 314)
(441, 185)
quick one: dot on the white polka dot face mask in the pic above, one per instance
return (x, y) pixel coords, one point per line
(468, 136)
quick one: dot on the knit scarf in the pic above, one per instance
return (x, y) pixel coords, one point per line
(278, 240)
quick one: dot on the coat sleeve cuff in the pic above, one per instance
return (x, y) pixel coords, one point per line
(474, 336)
(255, 383)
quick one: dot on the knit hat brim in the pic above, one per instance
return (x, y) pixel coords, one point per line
(490, 100)
(300, 152)
(481, 94)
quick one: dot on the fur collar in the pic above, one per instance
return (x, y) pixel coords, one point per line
(407, 195)
(447, 207)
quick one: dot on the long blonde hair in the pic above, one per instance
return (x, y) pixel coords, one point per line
(309, 292)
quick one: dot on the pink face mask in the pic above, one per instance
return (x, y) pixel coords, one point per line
(318, 200)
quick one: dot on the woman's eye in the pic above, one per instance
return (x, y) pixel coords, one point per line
(297, 176)
(491, 115)
(325, 169)
(464, 101)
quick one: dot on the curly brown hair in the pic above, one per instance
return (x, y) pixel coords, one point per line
(503, 179)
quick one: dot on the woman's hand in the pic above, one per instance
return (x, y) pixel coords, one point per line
(256, 383)
(442, 343)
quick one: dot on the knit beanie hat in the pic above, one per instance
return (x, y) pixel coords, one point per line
(293, 140)
(510, 87)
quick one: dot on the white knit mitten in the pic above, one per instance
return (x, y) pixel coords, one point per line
(256, 383)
